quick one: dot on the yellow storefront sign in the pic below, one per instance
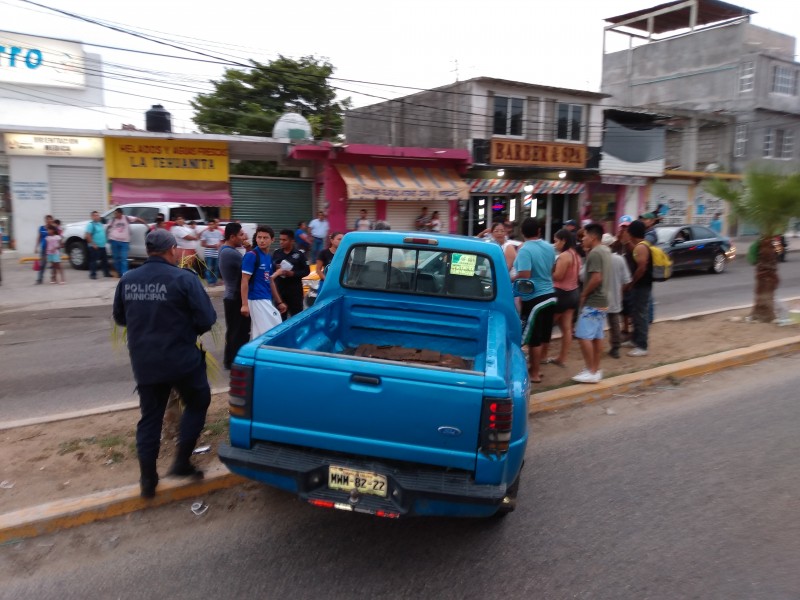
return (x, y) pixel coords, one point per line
(191, 160)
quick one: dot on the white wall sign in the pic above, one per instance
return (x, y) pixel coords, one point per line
(29, 190)
(33, 144)
(31, 60)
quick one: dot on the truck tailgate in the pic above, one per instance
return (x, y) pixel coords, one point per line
(369, 407)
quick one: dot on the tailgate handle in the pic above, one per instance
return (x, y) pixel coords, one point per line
(366, 380)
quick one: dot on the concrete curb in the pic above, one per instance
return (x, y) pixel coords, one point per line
(65, 514)
(575, 395)
(79, 414)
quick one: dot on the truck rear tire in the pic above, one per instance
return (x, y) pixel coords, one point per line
(78, 254)
(510, 501)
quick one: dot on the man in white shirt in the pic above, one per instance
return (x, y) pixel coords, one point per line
(363, 223)
(187, 242)
(319, 233)
(211, 240)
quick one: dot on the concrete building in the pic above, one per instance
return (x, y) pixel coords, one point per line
(533, 147)
(730, 89)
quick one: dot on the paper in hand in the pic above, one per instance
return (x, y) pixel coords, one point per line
(286, 265)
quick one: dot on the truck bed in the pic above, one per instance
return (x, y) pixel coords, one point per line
(393, 330)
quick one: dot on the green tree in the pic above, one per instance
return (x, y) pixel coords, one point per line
(249, 101)
(768, 200)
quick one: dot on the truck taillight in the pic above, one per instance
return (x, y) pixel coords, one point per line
(496, 422)
(241, 391)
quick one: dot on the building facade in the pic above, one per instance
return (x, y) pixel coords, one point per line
(533, 147)
(730, 89)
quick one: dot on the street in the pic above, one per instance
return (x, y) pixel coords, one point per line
(688, 491)
(66, 359)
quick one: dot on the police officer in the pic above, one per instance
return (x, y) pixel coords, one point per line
(165, 309)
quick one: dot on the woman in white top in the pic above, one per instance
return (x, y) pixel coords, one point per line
(509, 246)
(435, 223)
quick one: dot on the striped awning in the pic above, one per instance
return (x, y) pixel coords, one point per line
(514, 186)
(374, 182)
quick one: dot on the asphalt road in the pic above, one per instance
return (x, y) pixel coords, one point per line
(691, 492)
(62, 360)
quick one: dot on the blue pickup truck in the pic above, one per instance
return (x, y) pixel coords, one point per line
(402, 391)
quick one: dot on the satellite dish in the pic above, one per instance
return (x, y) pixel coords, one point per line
(293, 126)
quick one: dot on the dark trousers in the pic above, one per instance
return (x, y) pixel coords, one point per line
(196, 395)
(237, 330)
(292, 294)
(98, 255)
(614, 334)
(640, 315)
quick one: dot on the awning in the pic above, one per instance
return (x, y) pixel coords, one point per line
(515, 186)
(372, 182)
(202, 193)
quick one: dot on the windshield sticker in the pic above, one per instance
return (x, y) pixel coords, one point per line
(463, 264)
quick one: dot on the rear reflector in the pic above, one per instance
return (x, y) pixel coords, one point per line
(386, 514)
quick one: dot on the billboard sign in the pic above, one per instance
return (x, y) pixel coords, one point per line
(36, 61)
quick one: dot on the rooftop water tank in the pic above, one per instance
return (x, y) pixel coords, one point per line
(158, 119)
(292, 126)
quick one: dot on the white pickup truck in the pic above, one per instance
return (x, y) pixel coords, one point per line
(75, 243)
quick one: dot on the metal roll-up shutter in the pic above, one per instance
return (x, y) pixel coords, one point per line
(354, 211)
(75, 192)
(673, 194)
(401, 215)
(278, 202)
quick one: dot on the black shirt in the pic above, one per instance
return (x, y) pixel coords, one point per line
(299, 268)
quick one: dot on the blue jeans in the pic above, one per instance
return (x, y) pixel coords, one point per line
(640, 315)
(119, 256)
(316, 247)
(95, 255)
(42, 264)
(212, 269)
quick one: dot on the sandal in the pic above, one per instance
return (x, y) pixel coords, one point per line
(547, 361)
(558, 363)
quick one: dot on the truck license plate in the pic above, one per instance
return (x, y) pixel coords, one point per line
(365, 482)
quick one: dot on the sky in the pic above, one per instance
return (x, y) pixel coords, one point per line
(382, 48)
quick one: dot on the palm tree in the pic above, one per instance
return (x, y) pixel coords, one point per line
(768, 200)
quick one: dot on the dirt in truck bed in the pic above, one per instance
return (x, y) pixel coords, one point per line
(411, 355)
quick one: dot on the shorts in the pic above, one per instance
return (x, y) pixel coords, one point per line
(55, 257)
(263, 317)
(591, 323)
(566, 300)
(537, 319)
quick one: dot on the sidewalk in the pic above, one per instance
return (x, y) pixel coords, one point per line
(19, 291)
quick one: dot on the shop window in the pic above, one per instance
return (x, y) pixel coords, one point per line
(507, 116)
(570, 122)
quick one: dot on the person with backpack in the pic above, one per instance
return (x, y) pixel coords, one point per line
(258, 285)
(640, 263)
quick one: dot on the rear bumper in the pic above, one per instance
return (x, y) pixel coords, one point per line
(414, 490)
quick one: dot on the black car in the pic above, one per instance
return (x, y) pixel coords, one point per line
(695, 247)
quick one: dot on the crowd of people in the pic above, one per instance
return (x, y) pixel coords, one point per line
(584, 283)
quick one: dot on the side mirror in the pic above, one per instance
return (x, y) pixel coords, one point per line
(522, 287)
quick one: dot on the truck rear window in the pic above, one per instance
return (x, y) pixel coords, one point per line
(420, 271)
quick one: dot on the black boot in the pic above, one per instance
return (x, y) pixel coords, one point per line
(182, 467)
(148, 480)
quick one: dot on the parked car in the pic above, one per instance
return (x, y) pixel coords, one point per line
(693, 247)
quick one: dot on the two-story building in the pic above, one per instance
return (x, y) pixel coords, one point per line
(533, 147)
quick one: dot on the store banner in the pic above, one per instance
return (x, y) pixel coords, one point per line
(36, 144)
(183, 160)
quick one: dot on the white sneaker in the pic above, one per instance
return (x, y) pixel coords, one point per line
(586, 376)
(628, 344)
(638, 352)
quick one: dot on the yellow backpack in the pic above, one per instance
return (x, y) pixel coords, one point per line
(662, 264)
